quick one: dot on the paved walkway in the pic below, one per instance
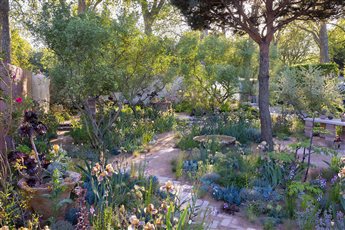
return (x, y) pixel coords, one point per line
(158, 163)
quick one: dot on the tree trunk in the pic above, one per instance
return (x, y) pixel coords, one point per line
(81, 6)
(324, 49)
(148, 21)
(5, 31)
(264, 95)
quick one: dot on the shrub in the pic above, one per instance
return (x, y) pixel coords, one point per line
(281, 125)
(230, 195)
(234, 169)
(164, 123)
(179, 166)
(325, 68)
(114, 193)
(130, 131)
(187, 142)
(306, 218)
(240, 128)
(79, 132)
(190, 166)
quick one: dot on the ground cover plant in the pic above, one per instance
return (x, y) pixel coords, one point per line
(131, 132)
(171, 114)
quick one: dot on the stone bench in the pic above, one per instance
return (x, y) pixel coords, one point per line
(329, 125)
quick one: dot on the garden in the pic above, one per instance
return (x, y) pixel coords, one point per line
(172, 114)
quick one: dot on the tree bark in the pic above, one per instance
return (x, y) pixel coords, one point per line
(148, 22)
(5, 30)
(264, 95)
(81, 6)
(324, 48)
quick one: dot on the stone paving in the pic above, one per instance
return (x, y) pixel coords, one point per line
(157, 163)
(215, 220)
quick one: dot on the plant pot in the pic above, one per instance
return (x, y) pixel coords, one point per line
(43, 205)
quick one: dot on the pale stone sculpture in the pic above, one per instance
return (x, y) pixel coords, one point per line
(40, 90)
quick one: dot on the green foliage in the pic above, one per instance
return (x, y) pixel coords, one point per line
(187, 142)
(331, 69)
(337, 44)
(295, 46)
(164, 123)
(97, 55)
(297, 187)
(209, 66)
(179, 166)
(308, 90)
(130, 132)
(238, 124)
(21, 51)
(55, 195)
(272, 172)
(234, 169)
(12, 205)
(281, 125)
(119, 198)
(78, 132)
(43, 61)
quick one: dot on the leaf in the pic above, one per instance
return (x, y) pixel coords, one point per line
(168, 218)
(182, 219)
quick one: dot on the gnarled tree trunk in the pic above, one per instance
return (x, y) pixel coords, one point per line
(264, 94)
(324, 48)
(81, 6)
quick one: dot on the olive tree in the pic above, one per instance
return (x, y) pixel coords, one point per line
(260, 20)
(308, 91)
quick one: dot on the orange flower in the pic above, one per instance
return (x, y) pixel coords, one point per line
(164, 205)
(341, 173)
(101, 176)
(150, 209)
(110, 170)
(134, 221)
(149, 226)
(169, 186)
(96, 169)
(158, 222)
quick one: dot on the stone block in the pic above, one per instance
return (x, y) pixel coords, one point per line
(226, 222)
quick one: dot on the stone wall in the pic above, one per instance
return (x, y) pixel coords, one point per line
(24, 85)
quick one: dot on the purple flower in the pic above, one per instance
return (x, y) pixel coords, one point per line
(319, 198)
(334, 179)
(323, 182)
